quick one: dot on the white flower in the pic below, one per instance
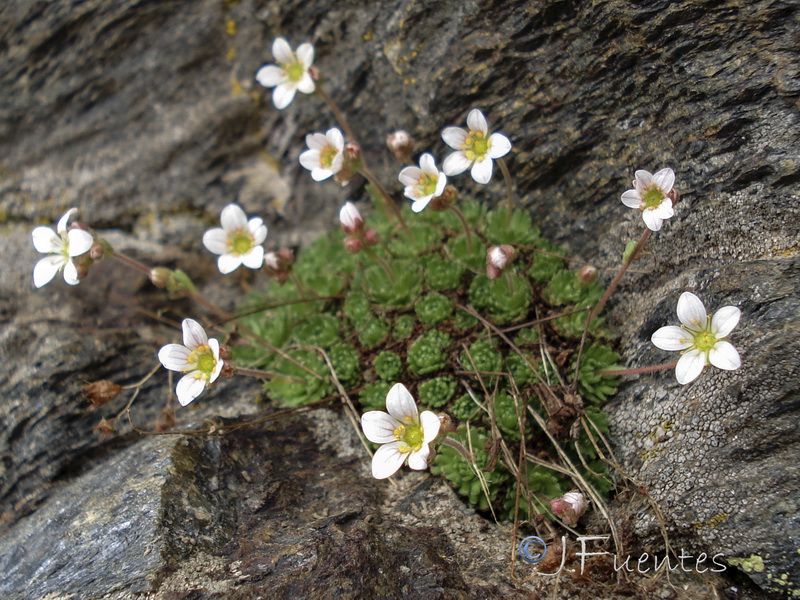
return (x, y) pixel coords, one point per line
(405, 434)
(238, 241)
(61, 246)
(649, 194)
(475, 148)
(350, 218)
(423, 183)
(290, 74)
(198, 357)
(700, 338)
(324, 156)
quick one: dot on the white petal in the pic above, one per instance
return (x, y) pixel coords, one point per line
(320, 174)
(282, 51)
(270, 75)
(46, 269)
(643, 179)
(189, 388)
(258, 230)
(690, 366)
(194, 335)
(632, 199)
(305, 53)
(63, 221)
(430, 426)
(456, 163)
(691, 312)
(46, 241)
(441, 183)
(233, 218)
(419, 460)
(228, 263)
(306, 84)
(214, 345)
(410, 176)
(651, 220)
(80, 242)
(724, 320)
(379, 427)
(253, 259)
(173, 357)
(482, 171)
(216, 240)
(476, 121)
(664, 179)
(400, 404)
(316, 141)
(455, 137)
(71, 273)
(499, 145)
(335, 138)
(664, 210)
(283, 95)
(387, 460)
(337, 163)
(672, 338)
(310, 159)
(419, 205)
(724, 356)
(427, 163)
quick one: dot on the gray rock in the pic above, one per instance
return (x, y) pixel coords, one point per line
(146, 116)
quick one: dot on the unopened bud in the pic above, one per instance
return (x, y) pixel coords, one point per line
(82, 265)
(314, 72)
(353, 245)
(443, 202)
(401, 144)
(224, 353)
(569, 507)
(587, 274)
(352, 152)
(351, 220)
(446, 424)
(278, 264)
(101, 392)
(498, 258)
(674, 195)
(97, 251)
(228, 370)
(160, 277)
(371, 237)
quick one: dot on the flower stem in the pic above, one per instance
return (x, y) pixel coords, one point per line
(640, 370)
(386, 266)
(510, 283)
(509, 188)
(301, 289)
(369, 176)
(337, 113)
(610, 290)
(132, 262)
(254, 372)
(464, 224)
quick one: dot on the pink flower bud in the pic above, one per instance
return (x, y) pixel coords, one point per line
(371, 237)
(160, 277)
(401, 144)
(497, 259)
(351, 220)
(569, 507)
(353, 245)
(587, 274)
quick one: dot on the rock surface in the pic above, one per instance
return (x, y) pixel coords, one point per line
(146, 116)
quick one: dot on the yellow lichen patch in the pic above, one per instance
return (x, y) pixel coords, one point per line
(236, 86)
(231, 54)
(368, 36)
(753, 564)
(230, 27)
(713, 521)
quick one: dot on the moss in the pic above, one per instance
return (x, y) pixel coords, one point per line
(438, 391)
(388, 366)
(434, 309)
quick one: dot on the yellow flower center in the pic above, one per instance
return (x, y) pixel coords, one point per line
(652, 197)
(294, 71)
(476, 146)
(240, 242)
(202, 360)
(427, 184)
(327, 155)
(412, 436)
